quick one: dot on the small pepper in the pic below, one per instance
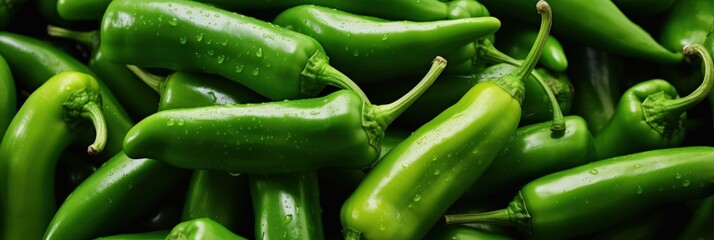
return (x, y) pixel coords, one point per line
(243, 138)
(515, 40)
(47, 123)
(591, 197)
(650, 114)
(195, 37)
(408, 190)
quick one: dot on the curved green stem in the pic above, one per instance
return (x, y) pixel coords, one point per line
(154, 81)
(388, 112)
(680, 105)
(489, 52)
(331, 76)
(535, 52)
(93, 111)
(500, 217)
(89, 38)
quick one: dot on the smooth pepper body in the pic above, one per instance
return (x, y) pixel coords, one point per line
(199, 229)
(8, 98)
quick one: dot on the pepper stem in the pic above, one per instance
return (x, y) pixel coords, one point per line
(680, 105)
(93, 111)
(389, 112)
(491, 53)
(89, 38)
(331, 76)
(500, 217)
(154, 81)
(535, 52)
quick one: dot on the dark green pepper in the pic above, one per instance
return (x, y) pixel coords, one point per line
(155, 235)
(587, 27)
(591, 197)
(200, 229)
(688, 22)
(597, 76)
(515, 40)
(44, 126)
(195, 37)
(699, 226)
(8, 97)
(287, 206)
(33, 62)
(457, 232)
(132, 93)
(272, 137)
(219, 196)
(650, 114)
(387, 50)
(73, 10)
(408, 190)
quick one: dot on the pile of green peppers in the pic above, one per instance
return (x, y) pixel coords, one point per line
(356, 119)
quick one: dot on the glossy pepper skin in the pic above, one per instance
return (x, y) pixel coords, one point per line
(199, 229)
(408, 190)
(515, 41)
(586, 27)
(140, 100)
(287, 206)
(45, 125)
(8, 97)
(243, 138)
(33, 62)
(130, 186)
(688, 22)
(386, 50)
(82, 9)
(195, 37)
(597, 76)
(155, 235)
(533, 152)
(650, 114)
(591, 197)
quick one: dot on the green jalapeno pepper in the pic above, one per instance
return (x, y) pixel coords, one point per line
(33, 62)
(591, 197)
(597, 77)
(189, 36)
(82, 9)
(404, 195)
(8, 97)
(118, 193)
(533, 152)
(515, 40)
(155, 235)
(201, 228)
(131, 92)
(219, 196)
(287, 206)
(45, 124)
(689, 22)
(238, 137)
(650, 114)
(385, 51)
(586, 27)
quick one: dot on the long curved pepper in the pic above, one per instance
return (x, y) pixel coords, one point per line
(409, 189)
(46, 124)
(195, 37)
(650, 114)
(273, 137)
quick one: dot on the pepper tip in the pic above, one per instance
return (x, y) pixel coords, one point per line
(542, 6)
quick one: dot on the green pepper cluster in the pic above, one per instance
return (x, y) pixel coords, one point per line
(356, 119)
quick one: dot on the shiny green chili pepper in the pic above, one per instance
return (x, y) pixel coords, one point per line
(33, 62)
(8, 97)
(131, 92)
(45, 125)
(645, 7)
(533, 152)
(515, 41)
(131, 187)
(464, 9)
(385, 51)
(586, 27)
(189, 36)
(650, 114)
(201, 228)
(597, 76)
(591, 197)
(82, 9)
(236, 138)
(689, 22)
(405, 194)
(155, 235)
(287, 206)
(219, 196)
